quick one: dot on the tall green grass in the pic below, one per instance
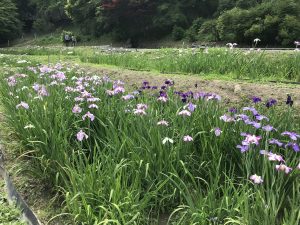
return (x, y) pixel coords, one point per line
(235, 63)
(123, 173)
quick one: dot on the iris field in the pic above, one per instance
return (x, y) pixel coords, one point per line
(118, 155)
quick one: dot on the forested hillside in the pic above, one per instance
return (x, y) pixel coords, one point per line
(275, 22)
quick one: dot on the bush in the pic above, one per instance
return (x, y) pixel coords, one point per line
(177, 33)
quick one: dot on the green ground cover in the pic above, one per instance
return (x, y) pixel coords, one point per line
(9, 214)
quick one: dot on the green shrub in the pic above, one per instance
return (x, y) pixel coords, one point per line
(177, 33)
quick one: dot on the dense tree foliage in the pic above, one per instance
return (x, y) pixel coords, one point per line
(9, 22)
(275, 22)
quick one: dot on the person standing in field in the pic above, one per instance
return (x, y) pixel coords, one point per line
(67, 39)
(73, 38)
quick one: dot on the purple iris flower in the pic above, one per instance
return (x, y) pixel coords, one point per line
(218, 131)
(256, 99)
(191, 107)
(145, 83)
(276, 142)
(154, 87)
(261, 117)
(168, 82)
(163, 94)
(295, 146)
(163, 87)
(271, 102)
(81, 135)
(243, 148)
(232, 110)
(243, 117)
(226, 118)
(294, 136)
(22, 105)
(256, 125)
(251, 109)
(268, 128)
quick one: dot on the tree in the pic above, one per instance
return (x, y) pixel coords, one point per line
(10, 25)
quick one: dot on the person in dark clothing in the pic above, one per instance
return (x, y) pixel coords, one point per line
(67, 39)
(289, 100)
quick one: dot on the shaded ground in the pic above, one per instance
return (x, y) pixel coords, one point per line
(231, 91)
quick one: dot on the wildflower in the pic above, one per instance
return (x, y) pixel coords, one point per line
(166, 139)
(89, 115)
(217, 131)
(214, 97)
(86, 94)
(163, 123)
(243, 148)
(76, 109)
(294, 136)
(93, 106)
(60, 76)
(298, 167)
(23, 105)
(275, 141)
(253, 123)
(242, 117)
(139, 112)
(169, 82)
(275, 157)
(185, 113)
(256, 179)
(43, 91)
(187, 138)
(251, 109)
(261, 117)
(256, 99)
(81, 135)
(93, 99)
(251, 139)
(191, 107)
(128, 97)
(268, 128)
(272, 156)
(226, 118)
(162, 99)
(79, 99)
(145, 83)
(142, 106)
(295, 146)
(11, 81)
(110, 93)
(271, 102)
(232, 110)
(119, 89)
(284, 168)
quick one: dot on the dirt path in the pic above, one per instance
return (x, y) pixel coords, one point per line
(231, 91)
